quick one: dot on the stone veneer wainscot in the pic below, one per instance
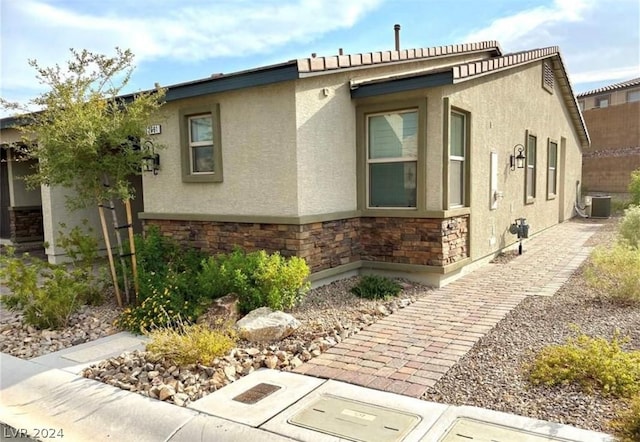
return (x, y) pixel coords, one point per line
(328, 244)
(25, 224)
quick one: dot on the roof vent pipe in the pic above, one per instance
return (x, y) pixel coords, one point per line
(396, 29)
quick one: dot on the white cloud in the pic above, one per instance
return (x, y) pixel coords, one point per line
(186, 31)
(606, 75)
(598, 39)
(518, 29)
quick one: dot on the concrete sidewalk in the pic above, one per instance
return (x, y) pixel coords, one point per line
(47, 403)
(402, 353)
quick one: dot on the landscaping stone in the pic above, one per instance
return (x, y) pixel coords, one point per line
(266, 325)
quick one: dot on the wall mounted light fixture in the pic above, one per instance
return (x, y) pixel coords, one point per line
(517, 160)
(151, 160)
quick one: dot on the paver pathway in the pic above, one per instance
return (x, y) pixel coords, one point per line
(408, 351)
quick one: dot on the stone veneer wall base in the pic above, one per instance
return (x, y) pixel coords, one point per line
(433, 246)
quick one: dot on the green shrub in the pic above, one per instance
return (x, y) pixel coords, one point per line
(619, 206)
(192, 344)
(163, 306)
(592, 363)
(629, 227)
(634, 187)
(258, 278)
(615, 272)
(627, 426)
(376, 287)
(46, 295)
(81, 246)
(169, 284)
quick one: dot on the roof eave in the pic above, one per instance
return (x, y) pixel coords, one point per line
(401, 84)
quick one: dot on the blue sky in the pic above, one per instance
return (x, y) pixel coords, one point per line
(183, 40)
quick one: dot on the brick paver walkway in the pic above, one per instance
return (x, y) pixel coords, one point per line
(408, 351)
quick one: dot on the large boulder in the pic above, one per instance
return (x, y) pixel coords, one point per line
(266, 325)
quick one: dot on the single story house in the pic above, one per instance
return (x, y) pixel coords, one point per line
(412, 162)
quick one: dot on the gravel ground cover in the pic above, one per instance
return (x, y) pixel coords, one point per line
(493, 373)
(328, 315)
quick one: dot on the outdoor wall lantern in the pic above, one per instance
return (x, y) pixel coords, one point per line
(517, 160)
(151, 160)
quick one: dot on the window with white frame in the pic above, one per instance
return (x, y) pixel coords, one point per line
(201, 144)
(552, 166)
(457, 159)
(530, 183)
(392, 158)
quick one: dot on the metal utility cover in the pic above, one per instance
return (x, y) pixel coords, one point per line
(257, 393)
(470, 430)
(355, 420)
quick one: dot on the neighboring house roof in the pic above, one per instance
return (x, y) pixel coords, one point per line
(300, 68)
(612, 87)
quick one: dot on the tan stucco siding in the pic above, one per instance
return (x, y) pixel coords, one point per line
(326, 140)
(503, 107)
(258, 156)
(20, 195)
(326, 135)
(55, 214)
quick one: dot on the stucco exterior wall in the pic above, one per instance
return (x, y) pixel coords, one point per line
(502, 108)
(326, 135)
(21, 195)
(54, 212)
(258, 156)
(326, 139)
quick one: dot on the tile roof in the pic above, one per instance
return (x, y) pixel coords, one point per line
(467, 71)
(612, 87)
(474, 69)
(333, 62)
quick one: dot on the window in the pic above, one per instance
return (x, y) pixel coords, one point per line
(552, 166)
(457, 159)
(530, 183)
(633, 96)
(201, 145)
(602, 101)
(581, 105)
(392, 158)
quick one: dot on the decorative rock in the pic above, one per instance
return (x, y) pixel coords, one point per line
(181, 399)
(166, 392)
(230, 372)
(271, 361)
(266, 325)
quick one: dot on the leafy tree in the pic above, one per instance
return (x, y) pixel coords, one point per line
(87, 135)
